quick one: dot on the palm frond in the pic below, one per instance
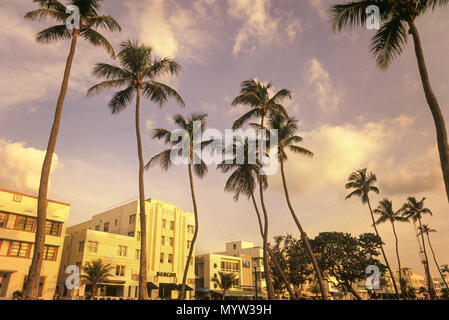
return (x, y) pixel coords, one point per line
(159, 93)
(55, 33)
(163, 158)
(97, 39)
(108, 84)
(121, 99)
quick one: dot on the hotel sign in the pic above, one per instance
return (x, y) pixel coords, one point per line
(166, 274)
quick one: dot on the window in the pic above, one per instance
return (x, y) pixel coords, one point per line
(19, 249)
(81, 246)
(190, 229)
(230, 266)
(106, 227)
(162, 259)
(50, 253)
(234, 246)
(132, 219)
(170, 258)
(163, 241)
(122, 251)
(17, 198)
(189, 243)
(171, 242)
(116, 222)
(3, 220)
(25, 223)
(52, 228)
(92, 246)
(97, 227)
(172, 225)
(120, 271)
(137, 254)
(131, 234)
(164, 223)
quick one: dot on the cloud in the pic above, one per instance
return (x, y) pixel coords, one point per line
(339, 150)
(318, 78)
(149, 124)
(260, 27)
(319, 6)
(174, 30)
(21, 166)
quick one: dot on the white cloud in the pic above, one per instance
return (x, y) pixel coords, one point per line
(172, 29)
(319, 6)
(21, 166)
(149, 124)
(327, 96)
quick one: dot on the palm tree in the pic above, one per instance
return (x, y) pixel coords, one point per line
(96, 272)
(137, 73)
(184, 148)
(257, 96)
(90, 20)
(361, 183)
(386, 213)
(243, 180)
(288, 141)
(414, 210)
(427, 230)
(445, 268)
(226, 281)
(398, 20)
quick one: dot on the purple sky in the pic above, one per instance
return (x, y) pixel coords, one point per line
(352, 115)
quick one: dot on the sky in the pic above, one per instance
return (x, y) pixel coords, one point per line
(351, 116)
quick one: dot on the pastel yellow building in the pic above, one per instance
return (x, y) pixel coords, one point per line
(17, 234)
(240, 258)
(114, 236)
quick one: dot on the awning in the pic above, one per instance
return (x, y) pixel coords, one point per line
(8, 271)
(112, 283)
(188, 288)
(168, 286)
(233, 293)
(336, 293)
(151, 286)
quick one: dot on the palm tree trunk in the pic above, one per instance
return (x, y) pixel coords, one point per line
(94, 291)
(383, 252)
(354, 292)
(143, 291)
(195, 235)
(268, 280)
(426, 265)
(438, 118)
(436, 262)
(32, 285)
(303, 236)
(399, 261)
(273, 258)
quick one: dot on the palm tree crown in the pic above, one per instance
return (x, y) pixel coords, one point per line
(390, 39)
(414, 209)
(258, 96)
(185, 146)
(138, 71)
(361, 183)
(386, 212)
(90, 20)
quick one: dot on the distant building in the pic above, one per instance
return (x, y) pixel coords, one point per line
(114, 237)
(18, 214)
(240, 258)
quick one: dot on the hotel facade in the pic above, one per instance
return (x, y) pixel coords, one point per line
(240, 258)
(17, 235)
(114, 237)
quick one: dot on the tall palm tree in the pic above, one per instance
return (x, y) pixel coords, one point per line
(286, 129)
(427, 230)
(95, 272)
(414, 210)
(257, 96)
(137, 73)
(184, 148)
(361, 183)
(397, 22)
(387, 214)
(226, 281)
(90, 21)
(243, 180)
